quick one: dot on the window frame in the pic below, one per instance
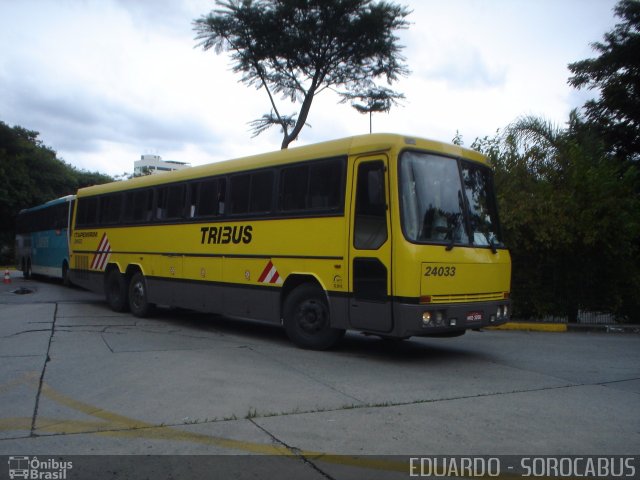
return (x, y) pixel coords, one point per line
(156, 197)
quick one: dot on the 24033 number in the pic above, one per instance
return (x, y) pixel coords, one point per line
(443, 271)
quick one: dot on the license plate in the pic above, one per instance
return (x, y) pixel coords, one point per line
(474, 317)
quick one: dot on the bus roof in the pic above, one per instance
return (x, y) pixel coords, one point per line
(66, 198)
(356, 145)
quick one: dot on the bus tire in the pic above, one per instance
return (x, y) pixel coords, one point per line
(307, 319)
(26, 271)
(66, 281)
(138, 298)
(115, 288)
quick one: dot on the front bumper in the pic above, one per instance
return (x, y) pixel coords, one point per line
(437, 319)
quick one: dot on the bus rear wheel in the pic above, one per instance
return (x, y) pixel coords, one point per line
(26, 269)
(307, 319)
(138, 299)
(116, 290)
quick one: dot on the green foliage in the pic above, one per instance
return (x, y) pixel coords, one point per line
(571, 219)
(615, 74)
(297, 49)
(373, 99)
(376, 99)
(31, 174)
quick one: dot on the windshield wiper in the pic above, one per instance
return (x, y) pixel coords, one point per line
(492, 244)
(450, 233)
(451, 243)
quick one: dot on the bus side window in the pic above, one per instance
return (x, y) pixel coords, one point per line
(293, 188)
(110, 208)
(316, 186)
(261, 196)
(240, 185)
(175, 201)
(207, 197)
(129, 206)
(161, 208)
(325, 184)
(192, 197)
(87, 212)
(60, 216)
(142, 206)
(222, 192)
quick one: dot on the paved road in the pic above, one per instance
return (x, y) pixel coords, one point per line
(76, 378)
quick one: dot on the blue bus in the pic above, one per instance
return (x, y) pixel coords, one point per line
(42, 239)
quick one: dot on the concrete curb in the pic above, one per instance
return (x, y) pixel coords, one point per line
(564, 327)
(532, 326)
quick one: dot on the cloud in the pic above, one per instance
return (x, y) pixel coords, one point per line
(92, 78)
(467, 69)
(78, 120)
(106, 80)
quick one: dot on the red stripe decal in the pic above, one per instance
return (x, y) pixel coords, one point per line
(265, 272)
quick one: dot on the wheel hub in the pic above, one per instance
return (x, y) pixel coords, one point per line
(311, 317)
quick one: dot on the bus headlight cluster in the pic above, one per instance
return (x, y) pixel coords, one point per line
(435, 318)
(503, 312)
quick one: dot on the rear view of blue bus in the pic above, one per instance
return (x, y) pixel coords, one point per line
(42, 239)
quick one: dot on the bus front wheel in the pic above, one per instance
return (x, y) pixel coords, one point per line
(307, 319)
(66, 281)
(116, 291)
(138, 300)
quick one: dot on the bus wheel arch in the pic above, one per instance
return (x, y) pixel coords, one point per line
(306, 315)
(132, 269)
(116, 288)
(291, 283)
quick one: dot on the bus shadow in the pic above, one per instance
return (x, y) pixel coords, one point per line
(353, 344)
(434, 351)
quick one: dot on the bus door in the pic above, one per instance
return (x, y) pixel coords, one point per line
(370, 247)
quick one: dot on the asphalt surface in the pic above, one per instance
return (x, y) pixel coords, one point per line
(79, 379)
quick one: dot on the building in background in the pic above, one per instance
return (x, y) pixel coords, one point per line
(150, 164)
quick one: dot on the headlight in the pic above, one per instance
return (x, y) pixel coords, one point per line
(434, 319)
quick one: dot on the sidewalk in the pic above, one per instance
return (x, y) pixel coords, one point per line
(566, 327)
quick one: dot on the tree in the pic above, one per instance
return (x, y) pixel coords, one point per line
(375, 99)
(570, 217)
(457, 139)
(616, 74)
(299, 48)
(31, 174)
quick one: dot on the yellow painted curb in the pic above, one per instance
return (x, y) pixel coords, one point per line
(532, 326)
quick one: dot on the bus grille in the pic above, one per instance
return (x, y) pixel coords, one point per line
(81, 262)
(467, 297)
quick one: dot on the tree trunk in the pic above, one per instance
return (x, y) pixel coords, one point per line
(302, 119)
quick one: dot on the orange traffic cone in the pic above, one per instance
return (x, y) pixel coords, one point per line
(7, 277)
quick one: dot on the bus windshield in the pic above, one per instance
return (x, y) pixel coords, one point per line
(444, 200)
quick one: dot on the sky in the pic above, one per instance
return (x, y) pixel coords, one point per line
(105, 81)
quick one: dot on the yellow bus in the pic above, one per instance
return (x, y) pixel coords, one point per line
(385, 234)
